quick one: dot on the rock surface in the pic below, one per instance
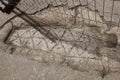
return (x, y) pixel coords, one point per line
(82, 42)
(77, 47)
(19, 68)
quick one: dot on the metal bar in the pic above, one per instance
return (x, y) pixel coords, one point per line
(33, 23)
(10, 6)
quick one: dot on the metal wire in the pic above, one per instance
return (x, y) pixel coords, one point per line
(79, 39)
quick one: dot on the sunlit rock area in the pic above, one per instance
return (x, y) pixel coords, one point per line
(60, 40)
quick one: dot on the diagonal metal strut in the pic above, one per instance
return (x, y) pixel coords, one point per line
(10, 8)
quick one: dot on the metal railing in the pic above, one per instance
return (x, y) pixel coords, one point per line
(107, 10)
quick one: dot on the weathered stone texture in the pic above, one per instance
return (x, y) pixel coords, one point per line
(82, 38)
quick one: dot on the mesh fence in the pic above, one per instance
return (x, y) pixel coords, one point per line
(66, 27)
